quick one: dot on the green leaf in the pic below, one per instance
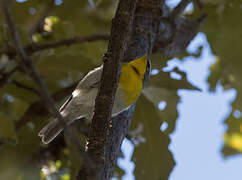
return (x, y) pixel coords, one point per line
(152, 158)
(7, 130)
(169, 113)
(164, 80)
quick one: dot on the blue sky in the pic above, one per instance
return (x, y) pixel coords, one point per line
(198, 138)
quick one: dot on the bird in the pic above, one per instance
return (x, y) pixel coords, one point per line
(81, 103)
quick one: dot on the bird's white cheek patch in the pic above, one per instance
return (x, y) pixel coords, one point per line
(76, 92)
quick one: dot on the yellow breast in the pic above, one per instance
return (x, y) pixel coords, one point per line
(131, 79)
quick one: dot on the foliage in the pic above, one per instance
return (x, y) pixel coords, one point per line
(23, 156)
(223, 31)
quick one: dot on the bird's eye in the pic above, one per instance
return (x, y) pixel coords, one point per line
(135, 70)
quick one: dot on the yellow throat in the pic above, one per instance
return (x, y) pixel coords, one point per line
(131, 78)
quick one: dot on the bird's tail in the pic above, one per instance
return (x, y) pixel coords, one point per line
(50, 131)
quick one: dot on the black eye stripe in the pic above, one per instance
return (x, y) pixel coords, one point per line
(135, 70)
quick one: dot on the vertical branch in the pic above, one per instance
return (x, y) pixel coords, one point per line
(101, 122)
(106, 136)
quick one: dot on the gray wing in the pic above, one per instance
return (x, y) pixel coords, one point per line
(91, 80)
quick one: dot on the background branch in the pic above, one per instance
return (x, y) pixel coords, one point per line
(35, 47)
(32, 71)
(5, 76)
(39, 109)
(23, 86)
(38, 25)
(179, 9)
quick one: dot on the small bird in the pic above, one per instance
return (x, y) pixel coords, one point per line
(81, 102)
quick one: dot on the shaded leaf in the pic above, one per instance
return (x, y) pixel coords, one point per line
(169, 114)
(7, 130)
(164, 80)
(152, 158)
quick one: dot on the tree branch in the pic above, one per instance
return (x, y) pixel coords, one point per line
(106, 136)
(35, 47)
(28, 88)
(101, 122)
(179, 9)
(5, 76)
(39, 109)
(38, 25)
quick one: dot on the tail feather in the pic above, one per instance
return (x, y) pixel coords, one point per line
(50, 131)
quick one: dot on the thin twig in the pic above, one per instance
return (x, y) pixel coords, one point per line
(5, 76)
(39, 109)
(23, 86)
(35, 47)
(38, 25)
(179, 9)
(199, 4)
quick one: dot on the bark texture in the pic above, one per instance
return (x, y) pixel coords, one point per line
(153, 26)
